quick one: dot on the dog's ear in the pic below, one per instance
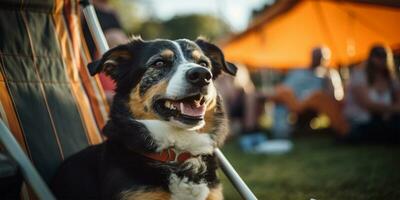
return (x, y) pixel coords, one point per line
(111, 62)
(217, 58)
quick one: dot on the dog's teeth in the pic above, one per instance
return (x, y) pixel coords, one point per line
(170, 105)
(167, 104)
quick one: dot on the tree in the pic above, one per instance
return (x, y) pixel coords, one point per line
(185, 26)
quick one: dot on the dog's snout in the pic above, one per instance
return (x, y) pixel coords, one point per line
(199, 76)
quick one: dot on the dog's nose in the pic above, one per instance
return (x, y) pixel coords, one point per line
(199, 76)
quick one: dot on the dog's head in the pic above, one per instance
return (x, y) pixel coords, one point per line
(166, 80)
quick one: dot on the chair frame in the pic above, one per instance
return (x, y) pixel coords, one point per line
(29, 172)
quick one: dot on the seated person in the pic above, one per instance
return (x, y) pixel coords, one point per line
(373, 100)
(306, 89)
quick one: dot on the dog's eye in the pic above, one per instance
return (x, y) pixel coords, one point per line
(203, 63)
(159, 63)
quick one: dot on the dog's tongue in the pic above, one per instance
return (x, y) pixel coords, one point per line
(192, 109)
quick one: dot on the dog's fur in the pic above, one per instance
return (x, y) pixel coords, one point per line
(118, 168)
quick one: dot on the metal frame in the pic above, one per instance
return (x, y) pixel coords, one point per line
(234, 177)
(102, 46)
(29, 172)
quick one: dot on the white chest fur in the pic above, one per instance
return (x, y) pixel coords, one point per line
(183, 189)
(166, 135)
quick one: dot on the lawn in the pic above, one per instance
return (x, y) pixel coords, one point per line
(320, 169)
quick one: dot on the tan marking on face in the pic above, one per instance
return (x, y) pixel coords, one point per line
(138, 103)
(196, 55)
(167, 53)
(157, 194)
(216, 193)
(216, 125)
(120, 54)
(209, 116)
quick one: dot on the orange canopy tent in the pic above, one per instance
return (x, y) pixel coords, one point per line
(283, 36)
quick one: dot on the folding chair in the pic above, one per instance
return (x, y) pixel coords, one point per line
(48, 100)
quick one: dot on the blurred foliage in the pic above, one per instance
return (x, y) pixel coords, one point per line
(255, 13)
(128, 14)
(185, 26)
(258, 11)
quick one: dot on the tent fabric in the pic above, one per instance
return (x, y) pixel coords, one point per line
(47, 97)
(348, 28)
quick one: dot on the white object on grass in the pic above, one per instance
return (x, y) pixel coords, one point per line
(274, 147)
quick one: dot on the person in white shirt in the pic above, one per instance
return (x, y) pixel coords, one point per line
(373, 100)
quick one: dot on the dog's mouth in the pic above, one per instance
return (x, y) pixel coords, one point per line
(189, 110)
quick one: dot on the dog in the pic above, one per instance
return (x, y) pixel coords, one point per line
(165, 121)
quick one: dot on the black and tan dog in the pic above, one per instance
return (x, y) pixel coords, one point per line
(165, 121)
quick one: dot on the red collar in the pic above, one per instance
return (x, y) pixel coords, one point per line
(170, 155)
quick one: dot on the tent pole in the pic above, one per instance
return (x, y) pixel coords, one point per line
(101, 44)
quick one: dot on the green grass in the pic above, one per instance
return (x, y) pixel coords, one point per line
(320, 169)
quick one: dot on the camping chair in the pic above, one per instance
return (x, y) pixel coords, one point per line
(49, 102)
